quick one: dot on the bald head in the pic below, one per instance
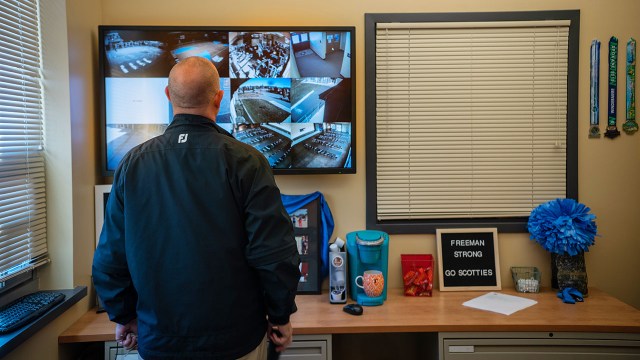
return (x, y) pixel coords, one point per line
(194, 87)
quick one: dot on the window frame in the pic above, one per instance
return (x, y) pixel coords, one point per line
(510, 224)
(34, 229)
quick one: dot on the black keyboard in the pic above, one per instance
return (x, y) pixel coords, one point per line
(26, 309)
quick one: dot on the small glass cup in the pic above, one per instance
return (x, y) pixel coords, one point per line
(526, 279)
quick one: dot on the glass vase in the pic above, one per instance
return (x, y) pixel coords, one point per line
(569, 271)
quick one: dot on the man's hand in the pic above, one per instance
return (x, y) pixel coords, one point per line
(127, 335)
(281, 335)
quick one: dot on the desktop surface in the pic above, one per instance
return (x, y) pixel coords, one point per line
(443, 312)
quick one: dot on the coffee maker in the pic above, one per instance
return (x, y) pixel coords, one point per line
(367, 250)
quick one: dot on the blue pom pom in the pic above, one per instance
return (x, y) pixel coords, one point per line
(563, 226)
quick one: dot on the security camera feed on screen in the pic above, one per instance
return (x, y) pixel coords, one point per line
(286, 93)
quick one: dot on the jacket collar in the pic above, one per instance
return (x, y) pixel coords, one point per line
(180, 120)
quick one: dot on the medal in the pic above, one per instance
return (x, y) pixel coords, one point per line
(594, 120)
(631, 126)
(612, 129)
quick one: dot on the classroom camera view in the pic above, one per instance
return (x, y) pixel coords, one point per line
(259, 55)
(287, 94)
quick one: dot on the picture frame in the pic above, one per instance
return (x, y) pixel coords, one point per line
(101, 194)
(468, 259)
(306, 228)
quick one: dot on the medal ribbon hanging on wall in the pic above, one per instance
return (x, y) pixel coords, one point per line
(631, 126)
(612, 129)
(594, 119)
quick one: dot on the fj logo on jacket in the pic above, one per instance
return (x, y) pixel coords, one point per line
(182, 138)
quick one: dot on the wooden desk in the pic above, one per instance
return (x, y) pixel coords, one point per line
(444, 312)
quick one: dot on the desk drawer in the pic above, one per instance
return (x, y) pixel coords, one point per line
(539, 346)
(304, 347)
(308, 347)
(113, 351)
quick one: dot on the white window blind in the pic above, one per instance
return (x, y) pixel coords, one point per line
(471, 118)
(23, 243)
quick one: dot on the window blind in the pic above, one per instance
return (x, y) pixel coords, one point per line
(471, 118)
(23, 242)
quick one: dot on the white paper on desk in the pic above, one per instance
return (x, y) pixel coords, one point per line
(500, 303)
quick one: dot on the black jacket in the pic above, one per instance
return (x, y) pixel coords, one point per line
(196, 244)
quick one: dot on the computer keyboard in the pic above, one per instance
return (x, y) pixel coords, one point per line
(26, 309)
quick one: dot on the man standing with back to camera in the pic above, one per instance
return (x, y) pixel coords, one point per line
(197, 258)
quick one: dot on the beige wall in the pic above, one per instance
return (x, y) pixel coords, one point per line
(608, 169)
(83, 61)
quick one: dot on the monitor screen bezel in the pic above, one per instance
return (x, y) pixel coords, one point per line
(276, 171)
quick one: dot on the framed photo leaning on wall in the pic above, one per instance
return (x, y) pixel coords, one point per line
(101, 196)
(306, 228)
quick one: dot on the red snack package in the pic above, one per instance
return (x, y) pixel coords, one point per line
(409, 276)
(411, 290)
(421, 278)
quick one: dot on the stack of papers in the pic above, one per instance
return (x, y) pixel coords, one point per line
(500, 303)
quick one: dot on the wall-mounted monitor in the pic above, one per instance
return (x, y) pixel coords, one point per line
(289, 92)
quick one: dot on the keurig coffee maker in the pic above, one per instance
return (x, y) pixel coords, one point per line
(368, 252)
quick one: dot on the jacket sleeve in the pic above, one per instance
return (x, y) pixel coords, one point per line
(111, 276)
(271, 249)
(280, 282)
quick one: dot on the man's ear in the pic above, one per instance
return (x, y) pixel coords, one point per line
(217, 99)
(166, 92)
